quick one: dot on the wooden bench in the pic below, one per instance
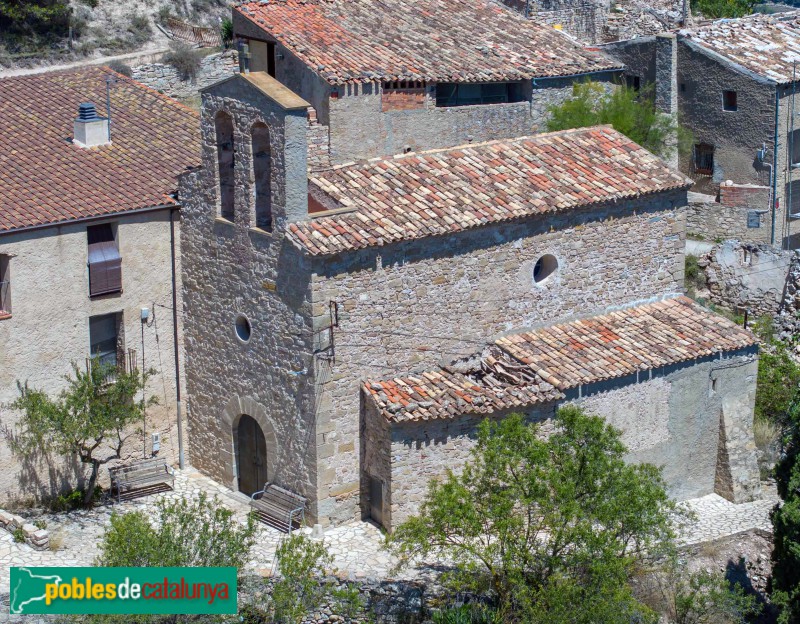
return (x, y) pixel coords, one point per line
(279, 507)
(141, 474)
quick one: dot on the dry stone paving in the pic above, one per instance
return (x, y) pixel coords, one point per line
(356, 547)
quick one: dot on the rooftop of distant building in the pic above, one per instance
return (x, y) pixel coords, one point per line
(422, 40)
(765, 45)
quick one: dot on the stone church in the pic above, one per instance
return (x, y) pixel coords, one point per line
(346, 329)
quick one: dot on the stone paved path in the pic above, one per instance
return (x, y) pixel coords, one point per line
(356, 547)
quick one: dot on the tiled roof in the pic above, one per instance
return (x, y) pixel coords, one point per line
(438, 192)
(767, 45)
(436, 40)
(47, 179)
(548, 361)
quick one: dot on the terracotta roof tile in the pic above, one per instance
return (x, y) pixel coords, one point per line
(767, 45)
(436, 40)
(538, 366)
(47, 179)
(432, 193)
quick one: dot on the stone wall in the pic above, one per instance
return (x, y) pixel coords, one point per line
(232, 270)
(410, 306)
(164, 78)
(692, 420)
(50, 299)
(730, 218)
(758, 278)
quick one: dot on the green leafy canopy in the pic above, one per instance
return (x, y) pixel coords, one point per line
(549, 527)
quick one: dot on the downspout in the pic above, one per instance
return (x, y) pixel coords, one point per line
(775, 165)
(181, 462)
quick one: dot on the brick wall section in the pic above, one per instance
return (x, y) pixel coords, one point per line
(744, 196)
(402, 99)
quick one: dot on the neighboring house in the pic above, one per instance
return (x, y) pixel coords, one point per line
(88, 233)
(537, 270)
(406, 75)
(736, 82)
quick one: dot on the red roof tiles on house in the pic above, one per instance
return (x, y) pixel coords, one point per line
(436, 40)
(432, 193)
(767, 45)
(548, 361)
(47, 179)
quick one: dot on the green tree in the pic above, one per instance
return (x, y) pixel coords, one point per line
(91, 419)
(785, 581)
(549, 528)
(778, 381)
(34, 17)
(627, 110)
(715, 9)
(301, 562)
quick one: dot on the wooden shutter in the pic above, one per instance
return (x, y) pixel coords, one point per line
(105, 262)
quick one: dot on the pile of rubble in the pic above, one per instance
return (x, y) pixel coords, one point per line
(34, 536)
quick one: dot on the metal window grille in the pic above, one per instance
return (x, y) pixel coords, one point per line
(704, 159)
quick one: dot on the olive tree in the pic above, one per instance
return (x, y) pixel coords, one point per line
(91, 419)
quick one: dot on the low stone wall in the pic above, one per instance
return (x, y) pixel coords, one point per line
(741, 213)
(34, 536)
(165, 79)
(758, 278)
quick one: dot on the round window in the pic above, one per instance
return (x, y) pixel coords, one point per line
(243, 328)
(544, 268)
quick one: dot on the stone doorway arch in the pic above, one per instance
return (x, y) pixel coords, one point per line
(235, 411)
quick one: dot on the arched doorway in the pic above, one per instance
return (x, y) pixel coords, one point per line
(251, 455)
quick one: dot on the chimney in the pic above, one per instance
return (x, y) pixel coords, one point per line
(90, 130)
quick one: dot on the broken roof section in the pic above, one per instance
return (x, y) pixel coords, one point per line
(539, 366)
(47, 179)
(443, 191)
(433, 40)
(764, 45)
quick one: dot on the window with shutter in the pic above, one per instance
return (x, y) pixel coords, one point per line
(105, 262)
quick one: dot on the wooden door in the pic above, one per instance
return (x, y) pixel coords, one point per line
(252, 459)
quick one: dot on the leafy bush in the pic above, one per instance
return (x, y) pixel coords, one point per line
(301, 562)
(40, 524)
(121, 68)
(226, 32)
(467, 614)
(706, 597)
(164, 13)
(629, 111)
(199, 533)
(37, 19)
(778, 383)
(140, 28)
(185, 59)
(715, 9)
(549, 529)
(19, 535)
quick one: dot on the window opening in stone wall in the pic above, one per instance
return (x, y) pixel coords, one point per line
(544, 268)
(704, 159)
(223, 124)
(5, 286)
(242, 327)
(467, 94)
(729, 101)
(105, 261)
(633, 82)
(262, 171)
(105, 342)
(793, 141)
(683, 87)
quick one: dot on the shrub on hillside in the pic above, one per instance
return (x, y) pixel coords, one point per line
(185, 59)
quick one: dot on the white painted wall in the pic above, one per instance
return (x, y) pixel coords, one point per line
(49, 328)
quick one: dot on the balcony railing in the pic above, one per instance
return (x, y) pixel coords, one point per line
(114, 363)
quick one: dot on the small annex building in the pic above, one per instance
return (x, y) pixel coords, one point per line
(518, 273)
